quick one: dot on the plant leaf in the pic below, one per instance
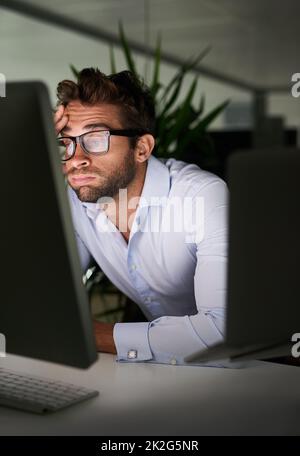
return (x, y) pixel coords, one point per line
(178, 79)
(113, 67)
(202, 105)
(190, 64)
(183, 116)
(199, 130)
(127, 51)
(155, 84)
(174, 95)
(207, 120)
(74, 71)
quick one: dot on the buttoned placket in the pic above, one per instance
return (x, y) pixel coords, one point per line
(152, 194)
(136, 276)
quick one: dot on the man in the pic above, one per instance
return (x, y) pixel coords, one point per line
(157, 228)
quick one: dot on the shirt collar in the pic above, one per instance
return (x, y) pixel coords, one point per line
(157, 183)
(155, 190)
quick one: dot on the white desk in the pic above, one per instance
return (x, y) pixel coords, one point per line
(152, 399)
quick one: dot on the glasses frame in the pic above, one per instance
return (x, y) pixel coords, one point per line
(130, 133)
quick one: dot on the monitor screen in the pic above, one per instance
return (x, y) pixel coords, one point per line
(44, 310)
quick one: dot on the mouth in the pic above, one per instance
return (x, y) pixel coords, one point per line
(81, 179)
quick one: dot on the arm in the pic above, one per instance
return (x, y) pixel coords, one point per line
(169, 339)
(84, 254)
(104, 337)
(103, 331)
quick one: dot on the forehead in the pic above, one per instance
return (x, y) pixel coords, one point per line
(80, 114)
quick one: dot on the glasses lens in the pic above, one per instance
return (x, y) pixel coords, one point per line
(96, 142)
(65, 147)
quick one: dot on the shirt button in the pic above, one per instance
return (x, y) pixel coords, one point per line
(132, 354)
(133, 267)
(173, 361)
(148, 299)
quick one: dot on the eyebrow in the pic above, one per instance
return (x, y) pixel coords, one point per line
(87, 127)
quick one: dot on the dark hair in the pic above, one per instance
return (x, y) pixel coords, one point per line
(122, 89)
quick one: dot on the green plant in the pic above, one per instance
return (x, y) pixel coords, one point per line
(179, 126)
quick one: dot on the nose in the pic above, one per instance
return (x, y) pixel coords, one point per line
(80, 158)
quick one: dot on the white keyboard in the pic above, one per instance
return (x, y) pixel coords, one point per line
(37, 394)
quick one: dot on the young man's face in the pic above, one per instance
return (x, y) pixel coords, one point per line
(92, 176)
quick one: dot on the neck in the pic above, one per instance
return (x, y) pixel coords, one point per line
(122, 210)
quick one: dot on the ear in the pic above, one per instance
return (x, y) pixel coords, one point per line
(144, 147)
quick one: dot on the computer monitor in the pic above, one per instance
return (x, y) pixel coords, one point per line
(262, 312)
(44, 310)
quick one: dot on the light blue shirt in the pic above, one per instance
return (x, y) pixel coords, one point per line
(176, 276)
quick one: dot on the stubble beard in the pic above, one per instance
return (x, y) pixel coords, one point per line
(118, 179)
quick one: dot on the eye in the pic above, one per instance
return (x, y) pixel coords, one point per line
(65, 146)
(96, 142)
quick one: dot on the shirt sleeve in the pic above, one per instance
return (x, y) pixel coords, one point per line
(169, 339)
(84, 254)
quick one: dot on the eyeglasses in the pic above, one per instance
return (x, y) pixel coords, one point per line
(94, 142)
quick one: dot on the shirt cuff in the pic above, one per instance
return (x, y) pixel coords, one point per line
(132, 342)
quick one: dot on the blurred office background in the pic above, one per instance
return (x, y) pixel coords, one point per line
(253, 54)
(254, 45)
